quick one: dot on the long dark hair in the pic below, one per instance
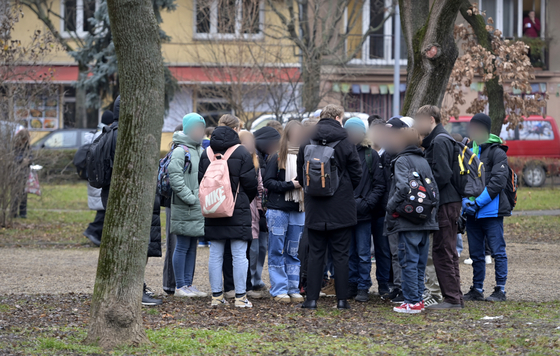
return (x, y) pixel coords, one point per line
(283, 151)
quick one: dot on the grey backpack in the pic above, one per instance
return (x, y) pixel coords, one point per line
(320, 169)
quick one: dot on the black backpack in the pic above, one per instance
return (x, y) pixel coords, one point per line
(80, 160)
(320, 169)
(421, 199)
(511, 188)
(99, 160)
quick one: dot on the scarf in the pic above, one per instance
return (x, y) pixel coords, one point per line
(295, 195)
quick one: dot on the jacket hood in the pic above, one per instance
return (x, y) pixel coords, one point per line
(436, 131)
(223, 138)
(365, 143)
(265, 136)
(116, 108)
(412, 150)
(180, 138)
(493, 140)
(329, 130)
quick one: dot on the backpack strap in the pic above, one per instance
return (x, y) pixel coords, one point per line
(225, 156)
(229, 152)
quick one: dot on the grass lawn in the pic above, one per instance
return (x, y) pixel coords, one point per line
(191, 328)
(538, 198)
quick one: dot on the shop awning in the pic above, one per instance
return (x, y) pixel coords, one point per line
(34, 74)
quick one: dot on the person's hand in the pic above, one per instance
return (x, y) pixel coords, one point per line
(532, 16)
(471, 208)
(296, 184)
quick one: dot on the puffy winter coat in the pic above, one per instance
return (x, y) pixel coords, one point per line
(186, 214)
(154, 248)
(406, 162)
(339, 210)
(276, 186)
(369, 193)
(242, 172)
(94, 194)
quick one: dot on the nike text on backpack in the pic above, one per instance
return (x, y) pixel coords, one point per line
(420, 201)
(80, 161)
(469, 180)
(215, 193)
(320, 169)
(99, 162)
(163, 185)
(511, 188)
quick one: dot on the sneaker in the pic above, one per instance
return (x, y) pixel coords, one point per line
(149, 291)
(488, 260)
(230, 294)
(473, 295)
(445, 305)
(149, 301)
(429, 301)
(392, 294)
(203, 244)
(399, 298)
(243, 302)
(219, 301)
(373, 259)
(329, 289)
(362, 296)
(197, 292)
(407, 308)
(497, 296)
(282, 298)
(296, 298)
(468, 261)
(185, 291)
(253, 294)
(94, 240)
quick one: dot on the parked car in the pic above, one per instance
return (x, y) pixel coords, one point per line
(263, 120)
(63, 139)
(534, 146)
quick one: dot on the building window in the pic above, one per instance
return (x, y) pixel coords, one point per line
(75, 15)
(229, 19)
(508, 15)
(379, 47)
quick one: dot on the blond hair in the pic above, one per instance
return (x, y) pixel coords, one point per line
(430, 111)
(229, 121)
(248, 134)
(283, 151)
(331, 111)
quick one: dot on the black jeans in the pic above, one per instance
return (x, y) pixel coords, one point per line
(227, 268)
(338, 241)
(95, 228)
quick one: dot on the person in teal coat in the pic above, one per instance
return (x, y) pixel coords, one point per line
(187, 221)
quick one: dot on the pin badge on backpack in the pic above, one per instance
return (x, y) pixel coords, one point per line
(413, 184)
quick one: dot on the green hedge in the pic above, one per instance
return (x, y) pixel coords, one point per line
(57, 165)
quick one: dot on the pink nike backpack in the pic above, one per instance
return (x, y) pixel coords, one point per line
(215, 194)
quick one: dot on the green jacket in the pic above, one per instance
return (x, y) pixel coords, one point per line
(186, 215)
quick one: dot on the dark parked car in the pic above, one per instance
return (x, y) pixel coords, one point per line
(63, 139)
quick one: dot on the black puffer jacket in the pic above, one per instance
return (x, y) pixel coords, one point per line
(385, 164)
(274, 182)
(371, 190)
(408, 161)
(442, 154)
(242, 171)
(338, 211)
(154, 248)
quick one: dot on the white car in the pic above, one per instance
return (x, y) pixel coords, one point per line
(263, 120)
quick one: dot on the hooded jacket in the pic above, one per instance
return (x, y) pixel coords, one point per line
(408, 161)
(493, 201)
(441, 154)
(186, 214)
(264, 137)
(242, 172)
(339, 210)
(370, 191)
(94, 194)
(275, 183)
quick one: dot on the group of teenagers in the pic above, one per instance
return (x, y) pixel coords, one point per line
(322, 244)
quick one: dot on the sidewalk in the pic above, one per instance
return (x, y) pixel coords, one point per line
(554, 212)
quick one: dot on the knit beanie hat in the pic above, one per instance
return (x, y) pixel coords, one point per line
(355, 123)
(107, 117)
(190, 120)
(482, 119)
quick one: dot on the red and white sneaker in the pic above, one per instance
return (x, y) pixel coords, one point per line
(422, 304)
(407, 308)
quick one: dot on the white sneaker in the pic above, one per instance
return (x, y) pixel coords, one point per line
(185, 291)
(468, 261)
(488, 260)
(197, 292)
(230, 294)
(296, 298)
(254, 294)
(243, 302)
(282, 298)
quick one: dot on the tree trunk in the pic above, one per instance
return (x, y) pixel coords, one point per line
(81, 105)
(116, 314)
(311, 78)
(494, 90)
(432, 51)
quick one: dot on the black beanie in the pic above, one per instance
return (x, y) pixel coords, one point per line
(266, 136)
(116, 107)
(107, 117)
(484, 120)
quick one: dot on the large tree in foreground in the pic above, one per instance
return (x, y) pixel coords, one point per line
(116, 313)
(428, 32)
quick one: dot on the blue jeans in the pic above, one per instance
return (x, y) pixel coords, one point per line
(459, 244)
(240, 265)
(382, 252)
(258, 251)
(359, 263)
(184, 260)
(285, 229)
(491, 230)
(413, 257)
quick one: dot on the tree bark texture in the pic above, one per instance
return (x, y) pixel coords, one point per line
(115, 315)
(311, 78)
(428, 32)
(494, 90)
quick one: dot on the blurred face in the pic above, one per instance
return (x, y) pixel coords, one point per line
(478, 133)
(396, 141)
(295, 136)
(424, 124)
(273, 147)
(377, 135)
(249, 142)
(356, 136)
(196, 132)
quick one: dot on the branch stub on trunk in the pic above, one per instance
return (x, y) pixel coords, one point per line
(432, 51)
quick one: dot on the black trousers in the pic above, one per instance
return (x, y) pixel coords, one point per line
(303, 254)
(95, 228)
(227, 268)
(338, 241)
